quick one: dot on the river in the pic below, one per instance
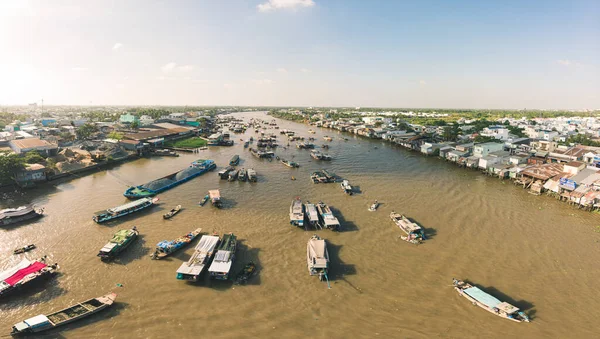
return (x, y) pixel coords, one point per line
(535, 252)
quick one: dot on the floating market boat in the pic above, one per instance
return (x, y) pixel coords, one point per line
(323, 176)
(221, 264)
(242, 175)
(327, 138)
(172, 212)
(206, 198)
(119, 242)
(215, 197)
(305, 145)
(488, 302)
(25, 274)
(24, 249)
(290, 164)
(297, 213)
(12, 216)
(193, 268)
(311, 131)
(166, 247)
(233, 175)
(312, 215)
(414, 233)
(317, 257)
(251, 175)
(42, 322)
(328, 220)
(234, 160)
(154, 187)
(165, 152)
(346, 187)
(224, 173)
(245, 274)
(374, 206)
(123, 210)
(246, 144)
(317, 155)
(325, 146)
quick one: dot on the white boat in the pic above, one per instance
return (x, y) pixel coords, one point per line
(312, 215)
(414, 233)
(328, 220)
(224, 257)
(479, 298)
(193, 268)
(374, 206)
(346, 187)
(317, 257)
(297, 213)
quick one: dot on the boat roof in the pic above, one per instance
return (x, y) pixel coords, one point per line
(197, 262)
(121, 236)
(37, 320)
(108, 247)
(482, 297)
(15, 212)
(222, 262)
(317, 248)
(412, 226)
(214, 194)
(11, 271)
(506, 307)
(129, 205)
(207, 243)
(311, 210)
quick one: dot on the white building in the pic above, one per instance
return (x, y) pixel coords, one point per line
(146, 120)
(373, 120)
(498, 132)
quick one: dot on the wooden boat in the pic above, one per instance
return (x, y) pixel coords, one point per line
(166, 247)
(480, 298)
(81, 310)
(215, 197)
(327, 138)
(319, 156)
(297, 213)
(311, 131)
(165, 152)
(317, 257)
(119, 242)
(221, 264)
(234, 160)
(233, 175)
(123, 210)
(251, 175)
(224, 174)
(246, 273)
(328, 220)
(24, 249)
(290, 164)
(20, 214)
(374, 206)
(312, 215)
(414, 233)
(172, 212)
(206, 198)
(204, 251)
(242, 175)
(25, 274)
(346, 187)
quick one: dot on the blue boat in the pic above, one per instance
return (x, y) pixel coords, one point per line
(154, 187)
(123, 210)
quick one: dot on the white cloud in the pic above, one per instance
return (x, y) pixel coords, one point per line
(422, 82)
(273, 5)
(282, 70)
(304, 70)
(125, 78)
(263, 81)
(228, 86)
(79, 69)
(161, 78)
(564, 62)
(186, 68)
(117, 46)
(168, 67)
(120, 86)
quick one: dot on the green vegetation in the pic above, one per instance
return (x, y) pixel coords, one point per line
(85, 132)
(481, 138)
(287, 116)
(9, 164)
(33, 157)
(7, 118)
(115, 135)
(582, 139)
(193, 142)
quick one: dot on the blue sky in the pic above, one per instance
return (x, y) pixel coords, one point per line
(452, 54)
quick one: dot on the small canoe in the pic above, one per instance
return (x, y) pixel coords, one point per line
(206, 198)
(24, 249)
(374, 206)
(172, 212)
(245, 274)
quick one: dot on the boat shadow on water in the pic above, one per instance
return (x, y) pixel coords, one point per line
(338, 270)
(38, 293)
(137, 250)
(227, 203)
(356, 190)
(523, 305)
(104, 315)
(345, 225)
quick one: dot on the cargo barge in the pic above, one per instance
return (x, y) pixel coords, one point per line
(154, 187)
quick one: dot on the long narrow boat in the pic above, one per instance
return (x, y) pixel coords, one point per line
(289, 163)
(172, 212)
(204, 200)
(346, 187)
(166, 247)
(243, 175)
(123, 210)
(12, 216)
(42, 322)
(251, 175)
(193, 268)
(25, 274)
(154, 187)
(488, 302)
(317, 257)
(221, 264)
(297, 213)
(246, 273)
(24, 249)
(224, 173)
(312, 215)
(234, 160)
(328, 220)
(414, 233)
(119, 242)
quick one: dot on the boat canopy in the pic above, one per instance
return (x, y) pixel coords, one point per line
(221, 262)
(198, 261)
(317, 250)
(121, 236)
(413, 227)
(9, 272)
(311, 211)
(482, 297)
(108, 247)
(37, 321)
(129, 205)
(214, 194)
(506, 307)
(16, 212)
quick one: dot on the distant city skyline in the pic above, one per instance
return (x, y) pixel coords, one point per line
(335, 53)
